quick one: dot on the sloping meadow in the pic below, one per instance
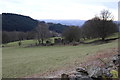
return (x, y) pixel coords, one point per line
(21, 62)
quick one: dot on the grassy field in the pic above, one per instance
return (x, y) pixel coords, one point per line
(20, 61)
(115, 35)
(28, 42)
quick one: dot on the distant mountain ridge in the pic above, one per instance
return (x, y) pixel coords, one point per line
(69, 22)
(66, 22)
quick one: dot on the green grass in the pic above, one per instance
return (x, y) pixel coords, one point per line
(20, 62)
(33, 42)
(90, 40)
(24, 43)
(115, 35)
(28, 42)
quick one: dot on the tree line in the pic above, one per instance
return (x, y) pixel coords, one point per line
(35, 34)
(100, 26)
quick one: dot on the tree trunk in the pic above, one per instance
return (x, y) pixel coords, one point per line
(84, 38)
(39, 41)
(42, 41)
(103, 39)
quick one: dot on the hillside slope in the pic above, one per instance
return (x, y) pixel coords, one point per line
(15, 22)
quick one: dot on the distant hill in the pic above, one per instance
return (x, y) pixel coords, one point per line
(69, 22)
(66, 22)
(16, 22)
(59, 28)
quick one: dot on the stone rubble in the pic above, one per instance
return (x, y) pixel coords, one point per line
(109, 70)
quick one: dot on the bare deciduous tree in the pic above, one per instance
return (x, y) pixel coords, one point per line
(5, 37)
(101, 26)
(106, 15)
(72, 34)
(107, 26)
(42, 32)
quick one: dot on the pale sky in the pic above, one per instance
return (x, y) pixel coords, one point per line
(59, 9)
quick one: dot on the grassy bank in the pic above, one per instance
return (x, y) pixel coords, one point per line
(19, 61)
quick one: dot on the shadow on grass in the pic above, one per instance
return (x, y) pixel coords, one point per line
(98, 42)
